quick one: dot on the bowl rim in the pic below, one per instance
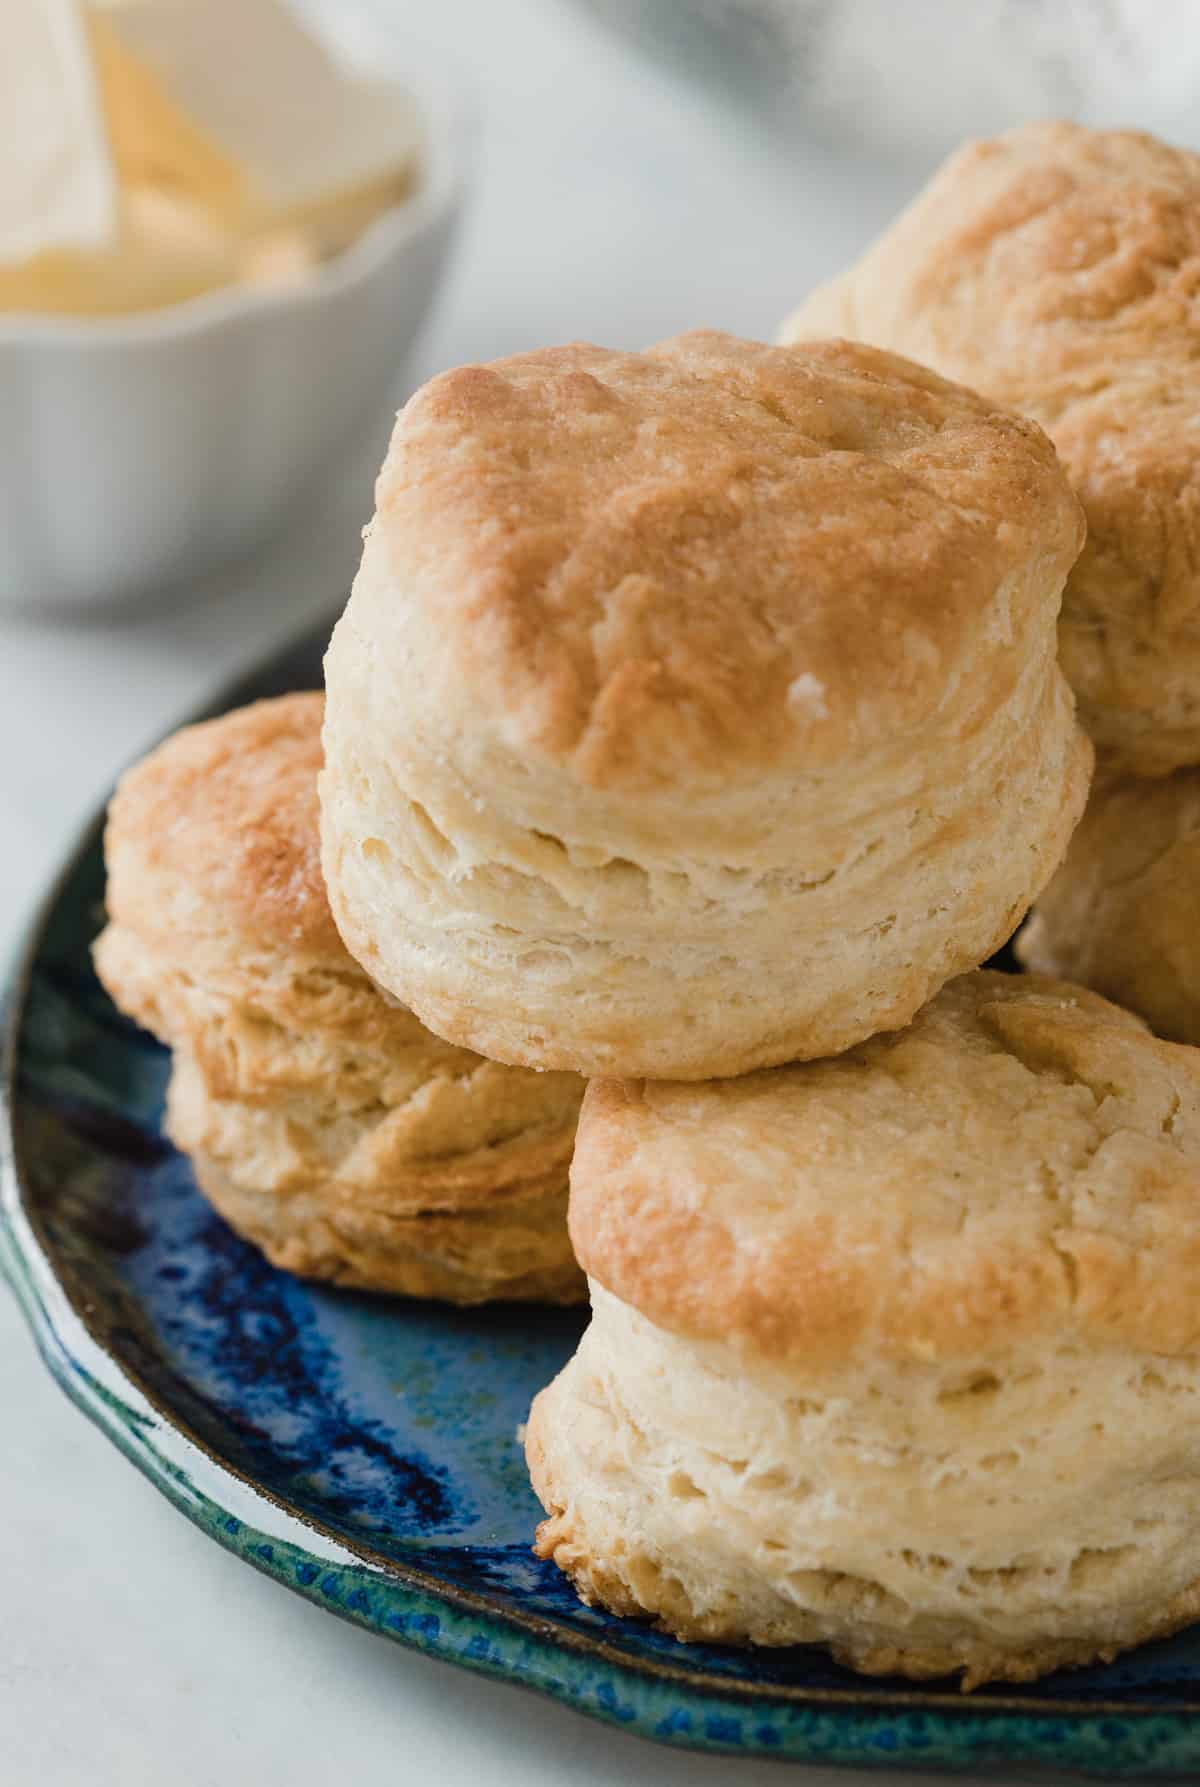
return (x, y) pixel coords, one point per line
(447, 136)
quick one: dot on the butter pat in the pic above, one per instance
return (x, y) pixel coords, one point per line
(234, 102)
(166, 252)
(57, 183)
(158, 149)
(155, 146)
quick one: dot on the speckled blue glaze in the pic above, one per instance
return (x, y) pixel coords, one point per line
(365, 1453)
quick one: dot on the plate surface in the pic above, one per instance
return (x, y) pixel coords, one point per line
(365, 1453)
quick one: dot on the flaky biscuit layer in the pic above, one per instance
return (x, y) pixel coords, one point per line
(697, 710)
(325, 1121)
(996, 1520)
(897, 1352)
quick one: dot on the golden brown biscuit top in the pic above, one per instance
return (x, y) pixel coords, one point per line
(1024, 1159)
(1049, 263)
(1057, 269)
(216, 832)
(715, 554)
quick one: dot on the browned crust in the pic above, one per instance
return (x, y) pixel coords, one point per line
(632, 558)
(217, 833)
(325, 1121)
(1056, 268)
(748, 1208)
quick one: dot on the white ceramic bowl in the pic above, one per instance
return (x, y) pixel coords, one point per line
(140, 452)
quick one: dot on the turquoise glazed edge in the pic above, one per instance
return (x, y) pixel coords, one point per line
(623, 1675)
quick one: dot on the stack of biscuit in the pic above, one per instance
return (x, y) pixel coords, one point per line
(699, 711)
(696, 728)
(323, 1120)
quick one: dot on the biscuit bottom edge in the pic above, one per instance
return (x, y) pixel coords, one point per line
(728, 1519)
(517, 1252)
(565, 1544)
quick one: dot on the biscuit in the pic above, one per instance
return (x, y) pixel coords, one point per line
(898, 1353)
(1056, 268)
(324, 1121)
(1122, 915)
(697, 710)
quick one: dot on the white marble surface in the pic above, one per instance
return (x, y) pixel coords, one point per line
(611, 204)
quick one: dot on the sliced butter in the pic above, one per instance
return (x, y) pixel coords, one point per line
(252, 115)
(163, 148)
(168, 250)
(57, 184)
(154, 144)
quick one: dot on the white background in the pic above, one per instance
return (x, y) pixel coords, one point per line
(610, 203)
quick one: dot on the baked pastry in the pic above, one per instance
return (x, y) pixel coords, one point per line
(324, 1122)
(1056, 269)
(697, 710)
(1122, 915)
(897, 1353)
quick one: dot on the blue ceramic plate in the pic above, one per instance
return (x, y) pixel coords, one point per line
(365, 1453)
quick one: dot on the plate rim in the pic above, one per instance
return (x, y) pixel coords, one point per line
(110, 1392)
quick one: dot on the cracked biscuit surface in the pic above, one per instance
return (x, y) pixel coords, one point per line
(324, 1121)
(697, 709)
(899, 1352)
(1057, 268)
